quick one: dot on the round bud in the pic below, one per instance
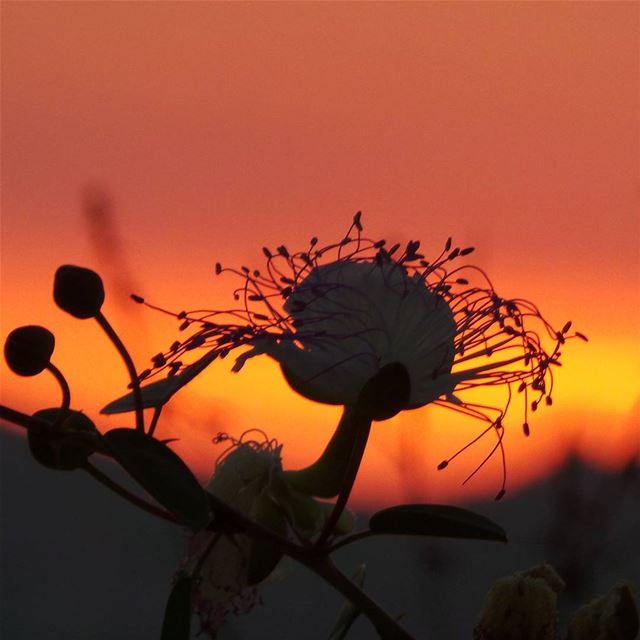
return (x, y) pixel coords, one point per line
(78, 291)
(28, 349)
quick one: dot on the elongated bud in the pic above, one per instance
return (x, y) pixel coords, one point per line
(28, 349)
(386, 393)
(78, 291)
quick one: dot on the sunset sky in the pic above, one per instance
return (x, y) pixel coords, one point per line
(217, 128)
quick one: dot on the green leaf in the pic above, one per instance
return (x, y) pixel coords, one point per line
(349, 612)
(62, 439)
(435, 520)
(177, 614)
(158, 393)
(161, 473)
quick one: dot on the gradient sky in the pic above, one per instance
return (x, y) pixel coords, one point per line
(217, 128)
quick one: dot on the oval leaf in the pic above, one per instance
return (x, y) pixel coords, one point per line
(177, 614)
(435, 520)
(161, 473)
(263, 555)
(158, 393)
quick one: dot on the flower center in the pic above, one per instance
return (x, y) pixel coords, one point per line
(354, 318)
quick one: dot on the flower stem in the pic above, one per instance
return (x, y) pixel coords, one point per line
(17, 417)
(320, 563)
(154, 419)
(124, 354)
(64, 386)
(385, 625)
(326, 476)
(360, 426)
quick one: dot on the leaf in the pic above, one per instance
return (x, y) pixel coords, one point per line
(161, 473)
(177, 614)
(158, 393)
(435, 520)
(263, 555)
(349, 612)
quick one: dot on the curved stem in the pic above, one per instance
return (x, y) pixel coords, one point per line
(325, 477)
(64, 386)
(361, 427)
(122, 350)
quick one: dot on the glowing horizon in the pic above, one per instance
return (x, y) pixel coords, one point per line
(217, 130)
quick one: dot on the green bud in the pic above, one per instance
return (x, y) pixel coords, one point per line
(28, 350)
(78, 291)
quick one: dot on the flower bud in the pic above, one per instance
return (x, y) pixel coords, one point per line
(521, 607)
(78, 291)
(28, 349)
(613, 615)
(230, 566)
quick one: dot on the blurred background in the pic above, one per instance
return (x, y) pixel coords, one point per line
(150, 140)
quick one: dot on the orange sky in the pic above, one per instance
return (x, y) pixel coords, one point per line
(218, 128)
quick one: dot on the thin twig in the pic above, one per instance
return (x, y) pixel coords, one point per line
(154, 419)
(386, 626)
(18, 418)
(127, 495)
(343, 542)
(64, 386)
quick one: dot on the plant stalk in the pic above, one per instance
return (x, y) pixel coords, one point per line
(133, 375)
